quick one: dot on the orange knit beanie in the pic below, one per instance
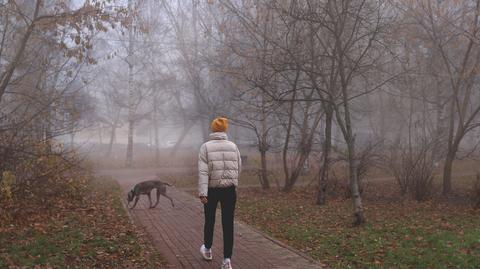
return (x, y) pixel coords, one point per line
(220, 125)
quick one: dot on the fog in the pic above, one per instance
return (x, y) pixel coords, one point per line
(388, 84)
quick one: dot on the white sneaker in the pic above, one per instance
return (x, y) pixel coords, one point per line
(206, 253)
(226, 264)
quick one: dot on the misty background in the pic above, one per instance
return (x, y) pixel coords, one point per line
(310, 87)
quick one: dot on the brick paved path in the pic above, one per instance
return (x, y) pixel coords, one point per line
(178, 233)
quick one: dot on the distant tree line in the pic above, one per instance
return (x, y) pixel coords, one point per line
(388, 84)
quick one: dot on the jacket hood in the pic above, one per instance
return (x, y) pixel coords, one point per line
(218, 136)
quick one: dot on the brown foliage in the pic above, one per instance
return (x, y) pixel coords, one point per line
(32, 182)
(95, 214)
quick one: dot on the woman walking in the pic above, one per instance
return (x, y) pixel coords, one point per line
(219, 167)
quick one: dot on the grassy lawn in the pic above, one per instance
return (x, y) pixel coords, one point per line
(400, 233)
(94, 233)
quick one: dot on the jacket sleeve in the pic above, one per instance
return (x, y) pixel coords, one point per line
(202, 172)
(239, 162)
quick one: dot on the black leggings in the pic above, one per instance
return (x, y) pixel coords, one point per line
(227, 198)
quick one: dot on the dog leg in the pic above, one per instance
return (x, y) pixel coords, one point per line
(158, 198)
(136, 201)
(149, 200)
(171, 200)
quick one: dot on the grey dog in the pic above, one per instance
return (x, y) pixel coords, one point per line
(146, 187)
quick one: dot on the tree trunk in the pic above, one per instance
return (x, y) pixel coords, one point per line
(264, 147)
(357, 200)
(352, 163)
(305, 149)
(327, 145)
(345, 124)
(263, 172)
(129, 160)
(175, 148)
(131, 101)
(447, 172)
(112, 139)
(288, 185)
(439, 130)
(447, 169)
(296, 172)
(155, 130)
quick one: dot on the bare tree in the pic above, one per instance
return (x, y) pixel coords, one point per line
(249, 71)
(351, 39)
(451, 32)
(110, 115)
(44, 101)
(28, 18)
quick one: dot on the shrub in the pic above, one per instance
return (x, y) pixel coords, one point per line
(34, 181)
(412, 167)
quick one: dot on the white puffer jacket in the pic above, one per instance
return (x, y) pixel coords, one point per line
(219, 163)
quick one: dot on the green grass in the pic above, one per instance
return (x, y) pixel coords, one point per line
(396, 247)
(98, 236)
(402, 234)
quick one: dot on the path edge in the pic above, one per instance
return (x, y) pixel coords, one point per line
(283, 245)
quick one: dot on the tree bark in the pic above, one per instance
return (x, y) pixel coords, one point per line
(263, 172)
(357, 201)
(352, 162)
(287, 185)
